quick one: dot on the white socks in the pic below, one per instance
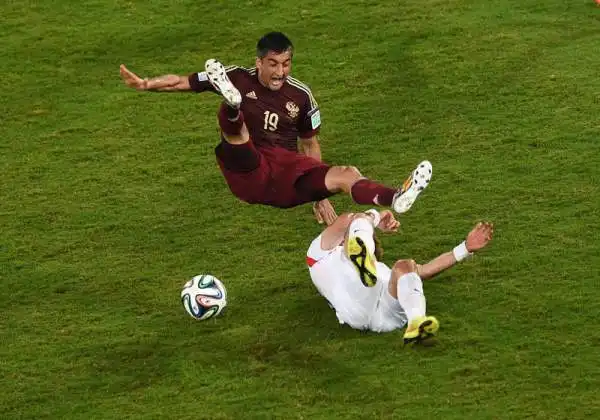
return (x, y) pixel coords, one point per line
(410, 295)
(363, 228)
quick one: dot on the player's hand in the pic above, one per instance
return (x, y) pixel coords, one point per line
(324, 212)
(133, 80)
(388, 222)
(479, 236)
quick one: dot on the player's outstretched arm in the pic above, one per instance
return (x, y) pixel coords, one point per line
(166, 83)
(477, 239)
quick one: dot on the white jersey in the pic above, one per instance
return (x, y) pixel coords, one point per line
(361, 307)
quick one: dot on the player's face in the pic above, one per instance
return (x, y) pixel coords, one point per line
(274, 68)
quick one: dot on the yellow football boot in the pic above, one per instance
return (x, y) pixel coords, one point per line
(420, 329)
(364, 262)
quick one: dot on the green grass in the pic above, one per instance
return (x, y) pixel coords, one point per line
(111, 199)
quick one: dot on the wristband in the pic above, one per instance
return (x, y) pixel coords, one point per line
(461, 252)
(375, 215)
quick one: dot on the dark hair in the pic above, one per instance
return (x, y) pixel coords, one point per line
(273, 41)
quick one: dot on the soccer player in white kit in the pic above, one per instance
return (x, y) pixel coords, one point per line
(368, 295)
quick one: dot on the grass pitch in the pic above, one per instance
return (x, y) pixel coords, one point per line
(111, 199)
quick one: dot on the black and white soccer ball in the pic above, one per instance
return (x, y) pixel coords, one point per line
(204, 297)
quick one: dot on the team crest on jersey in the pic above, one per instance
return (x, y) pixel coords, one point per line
(292, 109)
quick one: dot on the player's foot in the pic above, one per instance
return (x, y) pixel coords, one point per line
(217, 76)
(363, 260)
(420, 329)
(416, 182)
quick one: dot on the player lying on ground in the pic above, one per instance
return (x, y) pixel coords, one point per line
(264, 115)
(364, 292)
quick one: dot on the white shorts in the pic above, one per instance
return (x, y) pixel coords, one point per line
(361, 307)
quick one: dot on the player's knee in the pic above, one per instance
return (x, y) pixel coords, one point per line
(345, 171)
(404, 266)
(342, 177)
(351, 173)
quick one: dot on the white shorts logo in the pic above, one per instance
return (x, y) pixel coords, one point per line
(315, 119)
(202, 77)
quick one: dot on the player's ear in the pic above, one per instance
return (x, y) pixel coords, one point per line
(258, 62)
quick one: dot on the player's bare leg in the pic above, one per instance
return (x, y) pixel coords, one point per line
(406, 286)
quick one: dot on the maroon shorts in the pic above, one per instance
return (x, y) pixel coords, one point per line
(272, 176)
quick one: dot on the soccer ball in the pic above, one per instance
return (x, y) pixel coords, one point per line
(204, 297)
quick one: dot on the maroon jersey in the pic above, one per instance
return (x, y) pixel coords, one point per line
(273, 118)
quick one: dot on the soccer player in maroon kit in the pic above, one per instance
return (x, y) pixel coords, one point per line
(264, 114)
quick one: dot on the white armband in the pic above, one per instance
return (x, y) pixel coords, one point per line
(461, 252)
(375, 215)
